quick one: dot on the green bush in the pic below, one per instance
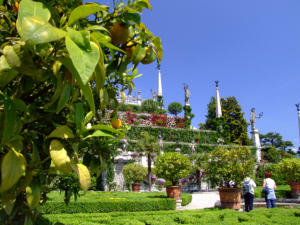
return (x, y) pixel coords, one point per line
(175, 108)
(273, 169)
(270, 154)
(172, 166)
(227, 165)
(149, 106)
(189, 217)
(186, 199)
(290, 168)
(132, 108)
(134, 173)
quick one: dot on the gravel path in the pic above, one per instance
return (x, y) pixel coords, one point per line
(202, 200)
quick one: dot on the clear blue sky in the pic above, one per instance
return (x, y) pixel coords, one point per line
(251, 46)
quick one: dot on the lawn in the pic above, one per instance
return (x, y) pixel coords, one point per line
(99, 202)
(282, 191)
(195, 217)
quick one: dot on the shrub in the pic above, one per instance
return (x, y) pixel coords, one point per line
(175, 108)
(270, 154)
(172, 166)
(149, 106)
(290, 168)
(225, 165)
(273, 169)
(134, 173)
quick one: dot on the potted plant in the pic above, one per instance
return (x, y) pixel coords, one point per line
(290, 169)
(134, 173)
(172, 166)
(227, 168)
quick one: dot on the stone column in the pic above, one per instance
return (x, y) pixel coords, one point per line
(218, 101)
(256, 143)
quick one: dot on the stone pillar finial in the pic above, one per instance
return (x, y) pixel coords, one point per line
(218, 101)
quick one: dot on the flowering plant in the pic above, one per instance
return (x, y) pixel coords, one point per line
(228, 167)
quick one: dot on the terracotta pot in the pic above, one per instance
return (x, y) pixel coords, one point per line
(174, 192)
(136, 187)
(295, 187)
(230, 198)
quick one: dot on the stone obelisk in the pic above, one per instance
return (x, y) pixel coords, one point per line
(159, 89)
(298, 110)
(218, 101)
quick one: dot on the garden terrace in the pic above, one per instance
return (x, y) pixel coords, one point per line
(102, 202)
(208, 216)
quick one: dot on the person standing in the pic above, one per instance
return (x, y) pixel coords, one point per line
(269, 186)
(248, 192)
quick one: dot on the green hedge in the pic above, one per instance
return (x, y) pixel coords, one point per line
(109, 206)
(98, 202)
(273, 168)
(170, 134)
(208, 216)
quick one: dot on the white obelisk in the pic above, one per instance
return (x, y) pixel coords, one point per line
(218, 101)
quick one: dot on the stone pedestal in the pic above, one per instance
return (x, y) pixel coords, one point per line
(256, 143)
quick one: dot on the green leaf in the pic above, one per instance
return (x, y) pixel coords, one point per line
(99, 75)
(64, 98)
(11, 55)
(110, 46)
(83, 175)
(135, 17)
(79, 115)
(156, 42)
(6, 73)
(138, 54)
(81, 38)
(8, 205)
(97, 27)
(87, 118)
(84, 11)
(12, 168)
(10, 121)
(99, 133)
(84, 60)
(86, 89)
(33, 195)
(63, 132)
(60, 157)
(104, 98)
(39, 31)
(28, 8)
(99, 37)
(105, 128)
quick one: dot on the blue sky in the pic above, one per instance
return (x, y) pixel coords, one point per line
(252, 47)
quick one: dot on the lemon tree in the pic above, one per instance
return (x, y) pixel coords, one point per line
(61, 63)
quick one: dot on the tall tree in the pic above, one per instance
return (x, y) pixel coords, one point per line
(148, 144)
(175, 108)
(274, 139)
(232, 124)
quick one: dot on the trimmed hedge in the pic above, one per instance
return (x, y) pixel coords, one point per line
(109, 206)
(171, 134)
(98, 202)
(208, 216)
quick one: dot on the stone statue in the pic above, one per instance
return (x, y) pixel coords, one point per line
(298, 107)
(154, 95)
(125, 144)
(253, 118)
(192, 145)
(187, 94)
(160, 141)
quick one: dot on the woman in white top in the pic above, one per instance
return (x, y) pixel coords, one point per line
(270, 187)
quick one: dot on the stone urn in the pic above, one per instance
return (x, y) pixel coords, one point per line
(136, 187)
(295, 187)
(230, 198)
(173, 191)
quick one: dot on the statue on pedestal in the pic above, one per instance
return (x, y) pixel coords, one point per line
(253, 118)
(187, 94)
(154, 95)
(192, 145)
(125, 144)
